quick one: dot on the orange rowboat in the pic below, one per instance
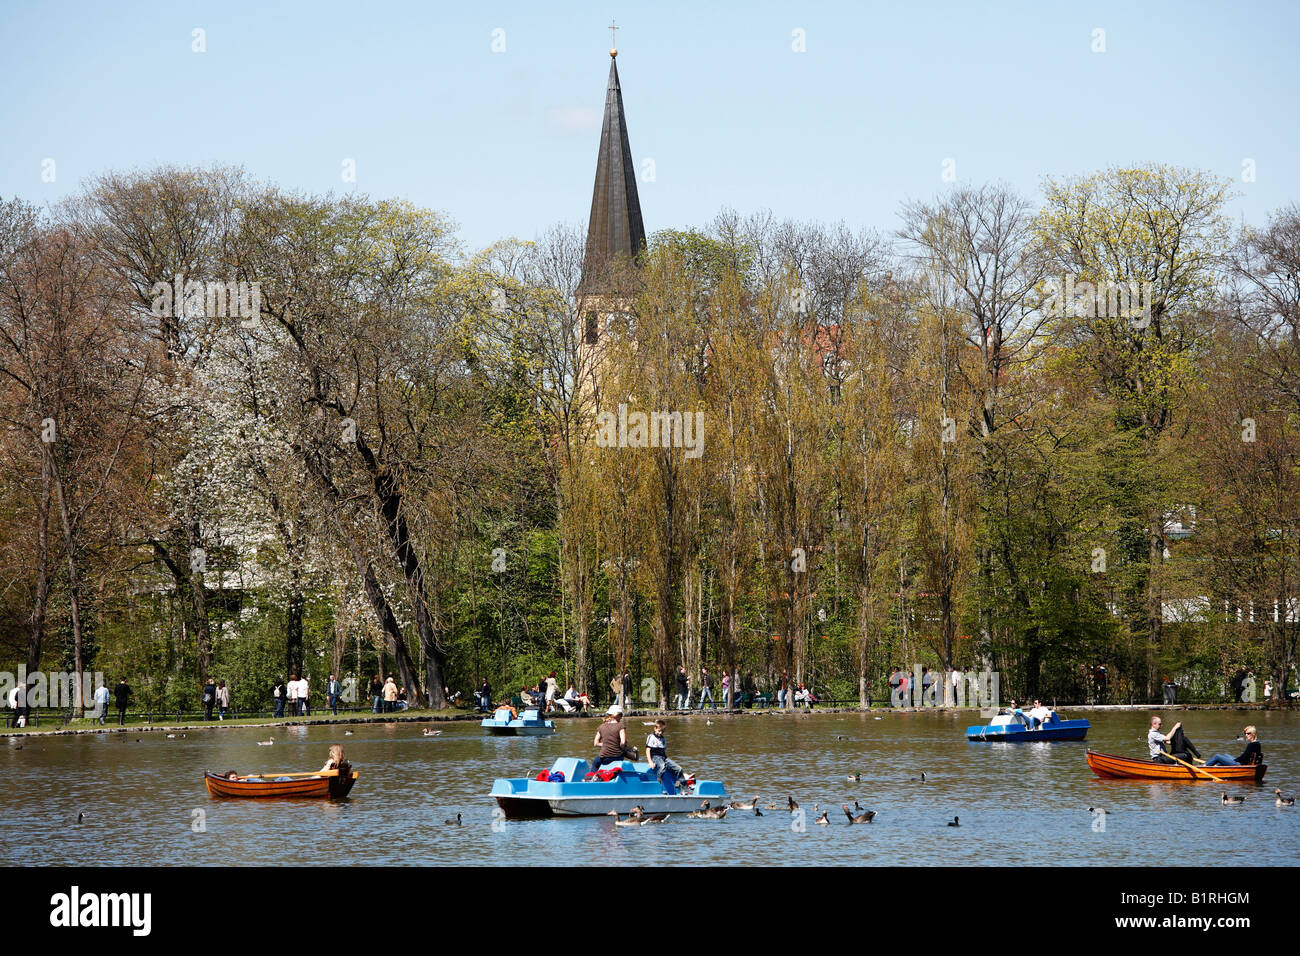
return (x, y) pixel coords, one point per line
(1113, 767)
(312, 785)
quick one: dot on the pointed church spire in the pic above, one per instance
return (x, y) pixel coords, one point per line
(615, 230)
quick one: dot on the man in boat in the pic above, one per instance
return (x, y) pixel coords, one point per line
(1038, 715)
(1171, 748)
(1253, 754)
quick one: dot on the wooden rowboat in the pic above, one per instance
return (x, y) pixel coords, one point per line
(1114, 767)
(312, 785)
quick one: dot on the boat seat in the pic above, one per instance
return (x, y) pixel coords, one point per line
(574, 769)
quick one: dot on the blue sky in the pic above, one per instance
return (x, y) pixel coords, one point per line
(505, 142)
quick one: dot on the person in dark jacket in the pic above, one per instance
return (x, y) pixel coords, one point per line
(209, 698)
(683, 699)
(334, 690)
(277, 694)
(1253, 754)
(122, 694)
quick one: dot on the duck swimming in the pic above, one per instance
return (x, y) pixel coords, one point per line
(791, 804)
(821, 820)
(920, 779)
(1283, 801)
(707, 812)
(1228, 801)
(431, 733)
(639, 813)
(629, 822)
(453, 823)
(266, 743)
(861, 817)
(742, 805)
(955, 822)
(855, 778)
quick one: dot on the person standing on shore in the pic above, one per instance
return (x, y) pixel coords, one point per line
(551, 684)
(706, 689)
(277, 695)
(334, 690)
(291, 694)
(726, 691)
(223, 700)
(304, 693)
(101, 702)
(485, 696)
(390, 695)
(683, 693)
(209, 698)
(376, 694)
(123, 694)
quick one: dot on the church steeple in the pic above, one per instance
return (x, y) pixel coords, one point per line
(615, 231)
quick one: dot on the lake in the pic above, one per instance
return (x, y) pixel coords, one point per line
(1019, 804)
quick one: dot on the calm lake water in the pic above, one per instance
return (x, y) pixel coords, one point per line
(1020, 804)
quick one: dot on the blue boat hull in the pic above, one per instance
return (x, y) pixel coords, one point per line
(1020, 734)
(529, 724)
(634, 785)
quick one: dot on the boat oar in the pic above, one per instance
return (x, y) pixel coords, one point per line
(1193, 767)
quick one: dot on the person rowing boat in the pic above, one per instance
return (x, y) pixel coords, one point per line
(1171, 748)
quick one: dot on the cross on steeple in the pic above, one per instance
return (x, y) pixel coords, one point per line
(613, 47)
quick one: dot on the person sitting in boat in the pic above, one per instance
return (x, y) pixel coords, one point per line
(656, 748)
(611, 738)
(505, 711)
(1253, 754)
(1038, 715)
(336, 759)
(1171, 748)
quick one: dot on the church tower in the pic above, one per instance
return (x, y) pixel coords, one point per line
(615, 232)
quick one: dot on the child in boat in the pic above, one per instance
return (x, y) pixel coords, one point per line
(1253, 754)
(656, 746)
(336, 760)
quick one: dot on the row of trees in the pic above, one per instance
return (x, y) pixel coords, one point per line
(965, 444)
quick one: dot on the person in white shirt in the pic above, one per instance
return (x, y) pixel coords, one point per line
(291, 694)
(101, 703)
(303, 694)
(1038, 715)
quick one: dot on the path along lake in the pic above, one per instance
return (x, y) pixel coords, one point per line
(1020, 804)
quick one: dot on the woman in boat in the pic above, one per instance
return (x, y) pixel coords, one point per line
(611, 738)
(1253, 754)
(336, 760)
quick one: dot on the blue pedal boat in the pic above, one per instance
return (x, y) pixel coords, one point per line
(630, 784)
(1014, 728)
(529, 723)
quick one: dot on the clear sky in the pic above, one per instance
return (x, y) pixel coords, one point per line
(716, 96)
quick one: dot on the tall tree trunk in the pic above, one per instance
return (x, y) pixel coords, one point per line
(74, 602)
(374, 591)
(40, 605)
